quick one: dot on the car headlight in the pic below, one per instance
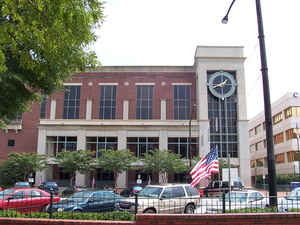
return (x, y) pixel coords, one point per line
(60, 209)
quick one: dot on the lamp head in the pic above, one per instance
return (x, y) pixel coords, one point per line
(225, 19)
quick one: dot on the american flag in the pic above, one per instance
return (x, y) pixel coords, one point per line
(205, 167)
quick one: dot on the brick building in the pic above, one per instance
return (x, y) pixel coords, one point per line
(142, 108)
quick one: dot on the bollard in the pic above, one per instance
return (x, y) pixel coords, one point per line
(136, 203)
(51, 203)
(223, 202)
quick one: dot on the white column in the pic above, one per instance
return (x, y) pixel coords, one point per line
(53, 109)
(163, 109)
(81, 145)
(122, 144)
(244, 154)
(88, 115)
(125, 109)
(41, 150)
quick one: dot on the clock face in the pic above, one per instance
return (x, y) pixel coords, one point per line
(222, 84)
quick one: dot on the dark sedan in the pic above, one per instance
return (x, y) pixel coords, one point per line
(88, 201)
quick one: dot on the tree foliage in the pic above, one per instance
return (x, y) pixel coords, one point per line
(43, 42)
(163, 162)
(116, 161)
(19, 166)
(81, 161)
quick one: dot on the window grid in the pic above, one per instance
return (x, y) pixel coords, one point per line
(144, 102)
(58, 143)
(99, 143)
(181, 145)
(182, 102)
(107, 103)
(142, 145)
(71, 102)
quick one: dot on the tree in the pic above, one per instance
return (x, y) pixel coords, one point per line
(42, 43)
(116, 161)
(164, 162)
(19, 167)
(81, 161)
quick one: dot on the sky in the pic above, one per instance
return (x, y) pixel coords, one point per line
(166, 32)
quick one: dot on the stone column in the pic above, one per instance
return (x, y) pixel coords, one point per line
(53, 109)
(122, 144)
(80, 179)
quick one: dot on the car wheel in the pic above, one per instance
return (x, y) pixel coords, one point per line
(149, 211)
(77, 211)
(189, 209)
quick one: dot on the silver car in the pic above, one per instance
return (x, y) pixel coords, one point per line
(234, 200)
(290, 202)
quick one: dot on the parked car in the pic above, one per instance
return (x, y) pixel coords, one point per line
(88, 201)
(129, 192)
(248, 199)
(25, 199)
(169, 198)
(217, 187)
(290, 202)
(22, 184)
(49, 186)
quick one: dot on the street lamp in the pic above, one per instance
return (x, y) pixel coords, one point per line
(267, 104)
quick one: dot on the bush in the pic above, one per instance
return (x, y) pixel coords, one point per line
(115, 215)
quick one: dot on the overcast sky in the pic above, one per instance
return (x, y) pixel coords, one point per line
(166, 32)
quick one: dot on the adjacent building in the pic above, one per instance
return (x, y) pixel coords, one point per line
(286, 125)
(186, 109)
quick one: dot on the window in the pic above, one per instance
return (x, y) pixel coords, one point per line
(107, 104)
(11, 143)
(178, 192)
(71, 102)
(291, 156)
(144, 102)
(292, 111)
(58, 143)
(182, 102)
(141, 145)
(256, 129)
(19, 195)
(265, 143)
(277, 118)
(191, 191)
(35, 194)
(278, 138)
(43, 107)
(260, 162)
(252, 163)
(180, 145)
(98, 143)
(279, 158)
(256, 146)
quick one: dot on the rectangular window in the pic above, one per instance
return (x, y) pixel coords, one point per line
(277, 118)
(144, 102)
(43, 107)
(107, 104)
(96, 144)
(260, 162)
(141, 145)
(252, 163)
(278, 138)
(71, 102)
(58, 143)
(256, 129)
(11, 143)
(291, 156)
(256, 146)
(279, 158)
(182, 102)
(180, 145)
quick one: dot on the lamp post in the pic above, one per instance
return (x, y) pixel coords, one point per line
(267, 104)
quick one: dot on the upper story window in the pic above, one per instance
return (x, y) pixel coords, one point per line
(279, 158)
(278, 138)
(181, 146)
(71, 102)
(252, 163)
(142, 145)
(182, 102)
(256, 129)
(292, 111)
(107, 104)
(144, 102)
(43, 107)
(277, 118)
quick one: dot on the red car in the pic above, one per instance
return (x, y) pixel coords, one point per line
(25, 199)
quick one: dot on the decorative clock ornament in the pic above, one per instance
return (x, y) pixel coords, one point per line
(222, 84)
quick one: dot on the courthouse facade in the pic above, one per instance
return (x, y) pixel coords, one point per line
(186, 109)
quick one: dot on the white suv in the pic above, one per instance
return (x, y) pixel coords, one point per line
(169, 198)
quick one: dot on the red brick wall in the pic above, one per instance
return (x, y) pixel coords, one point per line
(164, 219)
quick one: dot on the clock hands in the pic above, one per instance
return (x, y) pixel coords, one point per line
(222, 84)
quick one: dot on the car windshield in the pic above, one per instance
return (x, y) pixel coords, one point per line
(22, 184)
(6, 192)
(240, 197)
(294, 195)
(80, 196)
(150, 192)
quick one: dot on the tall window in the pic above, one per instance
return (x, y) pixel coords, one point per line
(182, 102)
(43, 107)
(144, 102)
(181, 146)
(71, 102)
(98, 143)
(19, 116)
(141, 145)
(107, 102)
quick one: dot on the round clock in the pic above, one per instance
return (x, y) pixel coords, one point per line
(222, 84)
